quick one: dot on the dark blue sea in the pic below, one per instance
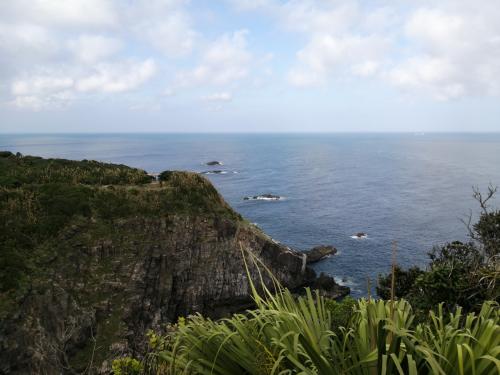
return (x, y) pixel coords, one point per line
(409, 188)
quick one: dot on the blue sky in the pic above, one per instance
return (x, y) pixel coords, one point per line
(249, 66)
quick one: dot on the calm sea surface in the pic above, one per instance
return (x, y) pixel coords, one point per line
(410, 188)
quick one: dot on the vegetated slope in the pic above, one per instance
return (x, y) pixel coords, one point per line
(92, 255)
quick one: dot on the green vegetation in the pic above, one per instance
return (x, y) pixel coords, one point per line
(289, 335)
(444, 320)
(127, 366)
(17, 170)
(41, 198)
(459, 274)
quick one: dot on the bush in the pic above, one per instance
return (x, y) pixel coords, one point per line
(340, 311)
(487, 232)
(459, 274)
(18, 169)
(126, 366)
(293, 335)
(404, 282)
(165, 176)
(290, 336)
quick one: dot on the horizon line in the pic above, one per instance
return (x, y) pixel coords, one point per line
(416, 132)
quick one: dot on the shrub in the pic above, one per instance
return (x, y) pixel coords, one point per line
(404, 282)
(340, 311)
(291, 336)
(165, 175)
(126, 366)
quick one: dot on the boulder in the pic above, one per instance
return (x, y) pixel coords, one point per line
(319, 252)
(329, 288)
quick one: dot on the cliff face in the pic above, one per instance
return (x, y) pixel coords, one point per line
(100, 280)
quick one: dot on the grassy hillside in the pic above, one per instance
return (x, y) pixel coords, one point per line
(41, 197)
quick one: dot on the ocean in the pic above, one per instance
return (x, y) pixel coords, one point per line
(409, 188)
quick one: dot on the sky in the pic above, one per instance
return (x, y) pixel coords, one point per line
(249, 66)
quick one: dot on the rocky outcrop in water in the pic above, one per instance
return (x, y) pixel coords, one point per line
(318, 253)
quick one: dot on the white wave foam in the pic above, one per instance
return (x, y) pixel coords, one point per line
(356, 237)
(264, 198)
(214, 172)
(346, 281)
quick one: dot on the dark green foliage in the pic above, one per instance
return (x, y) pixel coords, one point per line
(192, 191)
(340, 311)
(16, 170)
(288, 335)
(58, 203)
(111, 204)
(404, 282)
(13, 266)
(40, 198)
(5, 154)
(487, 232)
(165, 175)
(456, 255)
(451, 279)
(459, 274)
(126, 366)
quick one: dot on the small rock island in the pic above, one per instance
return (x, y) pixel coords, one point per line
(320, 252)
(213, 163)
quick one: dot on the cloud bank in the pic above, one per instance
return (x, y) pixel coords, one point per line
(56, 54)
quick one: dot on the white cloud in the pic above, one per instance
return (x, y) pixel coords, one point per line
(54, 89)
(43, 41)
(114, 78)
(53, 52)
(246, 5)
(456, 51)
(326, 54)
(225, 61)
(342, 37)
(366, 69)
(58, 100)
(218, 97)
(62, 13)
(41, 92)
(90, 49)
(168, 92)
(318, 17)
(163, 24)
(41, 85)
(434, 75)
(20, 40)
(171, 35)
(447, 49)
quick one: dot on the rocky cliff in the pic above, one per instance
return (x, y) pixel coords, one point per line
(94, 255)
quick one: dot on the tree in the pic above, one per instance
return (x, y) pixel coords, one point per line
(459, 274)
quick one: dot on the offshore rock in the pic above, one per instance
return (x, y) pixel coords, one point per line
(318, 253)
(329, 288)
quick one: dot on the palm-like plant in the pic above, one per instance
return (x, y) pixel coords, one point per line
(293, 335)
